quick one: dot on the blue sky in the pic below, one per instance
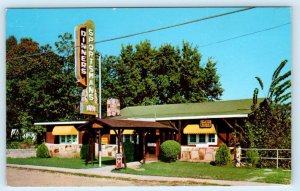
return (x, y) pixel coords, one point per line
(238, 60)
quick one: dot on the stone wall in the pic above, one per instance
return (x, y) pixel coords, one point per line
(73, 150)
(108, 150)
(194, 154)
(64, 150)
(20, 153)
(199, 154)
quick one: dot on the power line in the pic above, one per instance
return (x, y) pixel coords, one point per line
(176, 25)
(149, 31)
(30, 55)
(208, 44)
(248, 34)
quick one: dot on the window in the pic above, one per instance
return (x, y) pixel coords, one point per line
(193, 138)
(68, 139)
(126, 138)
(202, 138)
(211, 138)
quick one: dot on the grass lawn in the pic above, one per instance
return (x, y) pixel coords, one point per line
(205, 170)
(76, 163)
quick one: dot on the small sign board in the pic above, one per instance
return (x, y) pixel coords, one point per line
(205, 123)
(118, 160)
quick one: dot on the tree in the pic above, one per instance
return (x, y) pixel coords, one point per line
(145, 75)
(270, 122)
(40, 87)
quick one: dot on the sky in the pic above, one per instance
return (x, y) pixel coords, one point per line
(239, 60)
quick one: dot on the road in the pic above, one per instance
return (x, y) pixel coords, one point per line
(36, 178)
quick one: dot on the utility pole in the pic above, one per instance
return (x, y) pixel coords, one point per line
(99, 100)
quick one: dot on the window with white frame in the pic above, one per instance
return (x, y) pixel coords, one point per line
(211, 138)
(202, 139)
(68, 139)
(192, 138)
(126, 138)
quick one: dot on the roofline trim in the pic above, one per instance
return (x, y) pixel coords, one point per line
(190, 117)
(61, 123)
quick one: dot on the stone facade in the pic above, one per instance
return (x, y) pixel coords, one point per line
(198, 154)
(20, 153)
(108, 150)
(73, 150)
(195, 154)
(64, 150)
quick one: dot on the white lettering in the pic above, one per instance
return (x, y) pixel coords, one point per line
(91, 97)
(91, 32)
(91, 108)
(82, 33)
(91, 48)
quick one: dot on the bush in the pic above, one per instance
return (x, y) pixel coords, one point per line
(83, 151)
(253, 157)
(42, 151)
(129, 151)
(169, 150)
(13, 145)
(223, 156)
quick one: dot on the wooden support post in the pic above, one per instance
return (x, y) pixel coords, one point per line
(123, 151)
(179, 131)
(227, 135)
(93, 149)
(118, 133)
(144, 146)
(157, 150)
(87, 156)
(163, 135)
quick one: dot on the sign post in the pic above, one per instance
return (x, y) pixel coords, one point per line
(85, 59)
(100, 144)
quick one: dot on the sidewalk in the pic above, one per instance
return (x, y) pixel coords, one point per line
(106, 172)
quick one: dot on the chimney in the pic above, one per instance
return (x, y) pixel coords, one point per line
(113, 107)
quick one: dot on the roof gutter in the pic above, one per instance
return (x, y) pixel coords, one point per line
(61, 123)
(189, 117)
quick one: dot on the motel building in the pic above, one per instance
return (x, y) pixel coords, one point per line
(199, 127)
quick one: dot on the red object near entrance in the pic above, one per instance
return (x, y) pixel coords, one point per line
(118, 161)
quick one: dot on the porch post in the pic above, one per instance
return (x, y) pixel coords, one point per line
(179, 131)
(144, 146)
(119, 135)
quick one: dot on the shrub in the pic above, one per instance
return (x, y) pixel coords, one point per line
(169, 150)
(253, 157)
(223, 156)
(83, 151)
(13, 145)
(42, 151)
(129, 151)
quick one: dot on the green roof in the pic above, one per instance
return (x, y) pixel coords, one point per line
(184, 110)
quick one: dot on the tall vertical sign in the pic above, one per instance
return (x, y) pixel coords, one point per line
(85, 67)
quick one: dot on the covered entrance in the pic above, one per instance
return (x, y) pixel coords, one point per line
(147, 136)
